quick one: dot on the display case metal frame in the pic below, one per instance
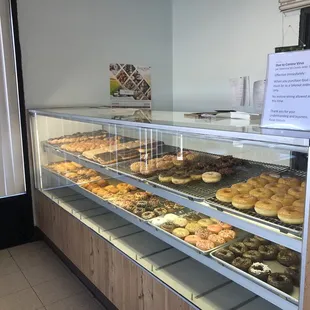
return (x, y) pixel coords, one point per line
(294, 141)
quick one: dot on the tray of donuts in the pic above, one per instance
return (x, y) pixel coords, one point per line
(196, 230)
(277, 199)
(268, 264)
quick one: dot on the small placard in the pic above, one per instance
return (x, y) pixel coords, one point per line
(287, 98)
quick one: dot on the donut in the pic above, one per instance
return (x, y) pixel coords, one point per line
(165, 177)
(205, 245)
(192, 239)
(180, 222)
(169, 227)
(181, 178)
(243, 201)
(288, 258)
(303, 184)
(294, 273)
(238, 248)
(253, 255)
(242, 188)
(170, 217)
(291, 215)
(180, 232)
(291, 182)
(251, 243)
(284, 199)
(227, 234)
(269, 251)
(268, 207)
(211, 177)
(300, 203)
(148, 215)
(297, 192)
(242, 263)
(261, 240)
(192, 217)
(142, 204)
(277, 188)
(158, 221)
(164, 165)
(205, 222)
(225, 225)
(216, 239)
(270, 177)
(259, 271)
(196, 175)
(203, 233)
(141, 196)
(281, 281)
(214, 228)
(261, 193)
(192, 227)
(226, 194)
(138, 211)
(160, 211)
(225, 255)
(135, 167)
(257, 182)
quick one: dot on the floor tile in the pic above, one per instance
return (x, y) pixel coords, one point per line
(45, 272)
(26, 260)
(27, 248)
(77, 302)
(60, 288)
(12, 283)
(22, 300)
(8, 266)
(4, 254)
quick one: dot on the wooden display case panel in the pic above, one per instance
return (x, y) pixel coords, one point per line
(123, 282)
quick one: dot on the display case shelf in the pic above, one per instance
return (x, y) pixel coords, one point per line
(277, 235)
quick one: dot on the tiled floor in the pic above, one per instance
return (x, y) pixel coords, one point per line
(32, 277)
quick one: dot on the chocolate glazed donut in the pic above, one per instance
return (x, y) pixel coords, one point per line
(294, 273)
(242, 263)
(288, 258)
(225, 255)
(238, 248)
(281, 281)
(251, 243)
(269, 252)
(253, 255)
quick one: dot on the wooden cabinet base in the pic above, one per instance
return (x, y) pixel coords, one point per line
(124, 283)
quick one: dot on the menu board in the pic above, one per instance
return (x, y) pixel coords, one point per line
(287, 98)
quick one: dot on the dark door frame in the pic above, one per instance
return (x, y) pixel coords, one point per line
(304, 27)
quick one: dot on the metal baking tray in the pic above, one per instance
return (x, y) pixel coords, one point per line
(274, 266)
(239, 234)
(199, 190)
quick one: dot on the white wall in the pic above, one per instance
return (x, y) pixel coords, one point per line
(67, 46)
(214, 40)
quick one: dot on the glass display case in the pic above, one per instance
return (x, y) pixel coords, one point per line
(226, 193)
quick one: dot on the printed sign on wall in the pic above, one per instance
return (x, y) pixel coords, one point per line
(287, 99)
(130, 83)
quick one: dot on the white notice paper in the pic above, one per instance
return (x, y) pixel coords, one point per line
(259, 96)
(240, 88)
(287, 99)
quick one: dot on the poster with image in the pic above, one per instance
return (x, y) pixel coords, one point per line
(130, 84)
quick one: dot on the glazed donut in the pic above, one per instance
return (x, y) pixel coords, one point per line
(170, 217)
(257, 182)
(164, 165)
(138, 211)
(180, 232)
(148, 215)
(196, 175)
(135, 167)
(214, 228)
(180, 178)
(225, 225)
(270, 177)
(260, 271)
(192, 227)
(165, 177)
(227, 234)
(253, 255)
(205, 222)
(284, 199)
(225, 255)
(226, 194)
(291, 182)
(269, 251)
(238, 248)
(268, 207)
(211, 177)
(261, 193)
(291, 215)
(141, 196)
(242, 263)
(243, 201)
(288, 258)
(281, 281)
(242, 188)
(300, 203)
(251, 243)
(205, 245)
(277, 188)
(297, 192)
(192, 239)
(203, 233)
(180, 222)
(169, 227)
(160, 211)
(216, 239)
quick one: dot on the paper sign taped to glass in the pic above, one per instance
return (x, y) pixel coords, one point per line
(287, 97)
(130, 85)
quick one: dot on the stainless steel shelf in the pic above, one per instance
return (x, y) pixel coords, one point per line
(207, 261)
(291, 241)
